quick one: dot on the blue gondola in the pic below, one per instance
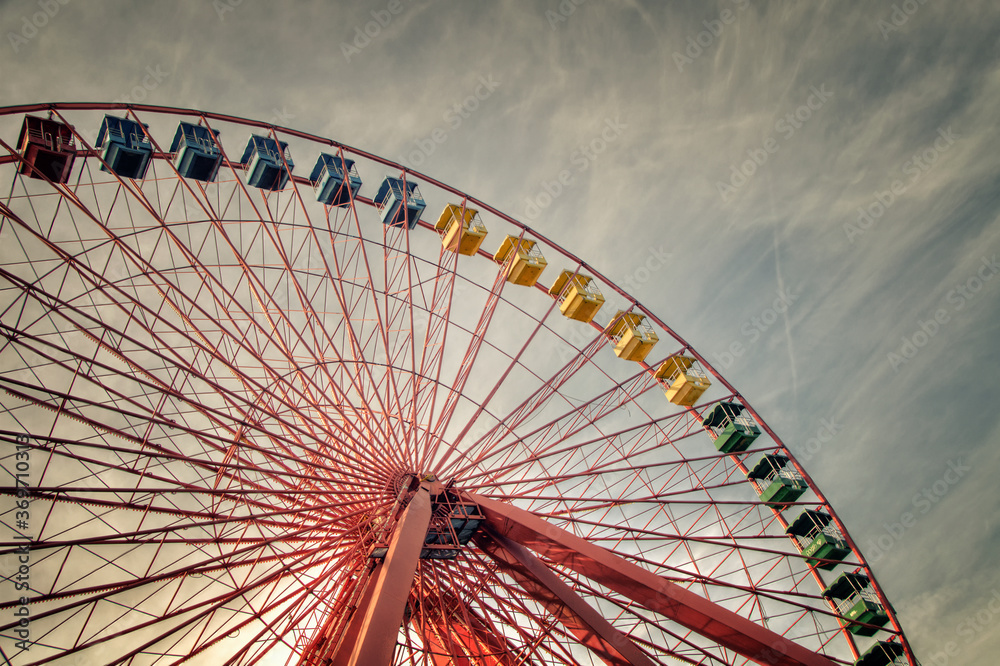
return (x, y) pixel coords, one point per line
(328, 179)
(263, 161)
(125, 147)
(198, 154)
(399, 203)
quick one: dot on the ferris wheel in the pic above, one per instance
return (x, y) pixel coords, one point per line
(358, 417)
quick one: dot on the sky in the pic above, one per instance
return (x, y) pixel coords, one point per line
(808, 192)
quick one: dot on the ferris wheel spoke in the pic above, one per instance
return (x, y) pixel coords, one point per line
(65, 400)
(432, 618)
(312, 318)
(158, 535)
(276, 636)
(693, 513)
(427, 379)
(117, 351)
(203, 611)
(285, 606)
(686, 545)
(259, 290)
(353, 283)
(229, 380)
(427, 371)
(299, 561)
(33, 290)
(469, 356)
(153, 586)
(638, 441)
(563, 426)
(631, 615)
(247, 551)
(647, 484)
(580, 619)
(793, 598)
(469, 628)
(514, 360)
(614, 533)
(489, 444)
(362, 369)
(468, 635)
(722, 626)
(263, 519)
(426, 382)
(397, 303)
(508, 608)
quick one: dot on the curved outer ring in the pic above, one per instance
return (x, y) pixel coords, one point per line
(179, 111)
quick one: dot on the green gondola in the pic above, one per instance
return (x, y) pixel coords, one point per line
(733, 430)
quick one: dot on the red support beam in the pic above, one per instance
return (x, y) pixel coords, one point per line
(447, 622)
(718, 624)
(380, 624)
(439, 653)
(580, 618)
(440, 644)
(323, 649)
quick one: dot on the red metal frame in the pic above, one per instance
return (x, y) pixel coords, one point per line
(376, 641)
(589, 627)
(451, 628)
(225, 388)
(645, 588)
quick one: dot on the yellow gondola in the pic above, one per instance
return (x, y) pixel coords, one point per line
(462, 230)
(526, 262)
(684, 379)
(579, 297)
(632, 336)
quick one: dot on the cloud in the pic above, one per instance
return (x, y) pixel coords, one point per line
(657, 184)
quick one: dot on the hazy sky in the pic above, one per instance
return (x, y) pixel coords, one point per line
(837, 161)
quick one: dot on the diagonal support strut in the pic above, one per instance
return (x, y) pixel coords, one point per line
(645, 588)
(579, 617)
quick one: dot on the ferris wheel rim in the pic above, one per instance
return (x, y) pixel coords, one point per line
(581, 265)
